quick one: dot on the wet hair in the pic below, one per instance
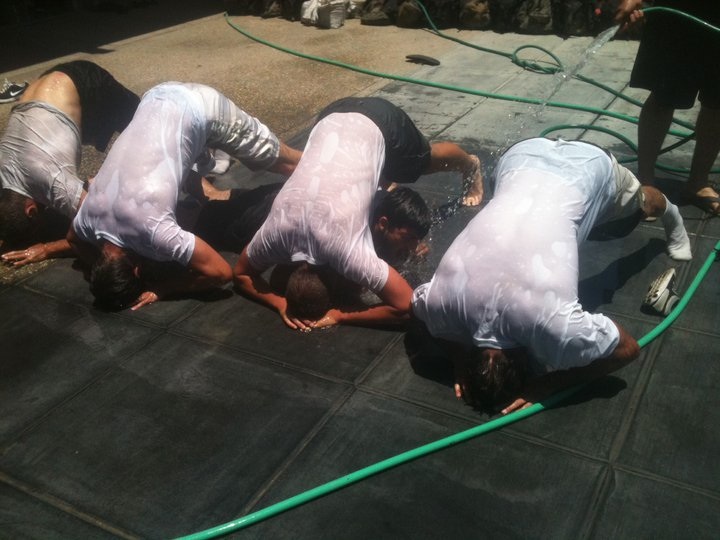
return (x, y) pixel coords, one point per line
(307, 293)
(113, 282)
(498, 378)
(402, 207)
(15, 225)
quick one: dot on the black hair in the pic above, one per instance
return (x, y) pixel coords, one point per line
(113, 282)
(15, 225)
(402, 207)
(307, 294)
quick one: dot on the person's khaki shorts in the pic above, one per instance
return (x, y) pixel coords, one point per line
(629, 197)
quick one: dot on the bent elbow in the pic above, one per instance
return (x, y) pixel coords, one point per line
(628, 349)
(220, 276)
(225, 276)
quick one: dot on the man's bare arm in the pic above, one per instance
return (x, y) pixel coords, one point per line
(250, 283)
(379, 315)
(396, 295)
(207, 269)
(87, 253)
(397, 292)
(287, 160)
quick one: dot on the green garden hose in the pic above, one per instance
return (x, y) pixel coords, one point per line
(411, 455)
(497, 423)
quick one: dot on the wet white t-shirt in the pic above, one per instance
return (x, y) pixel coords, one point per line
(321, 215)
(133, 198)
(510, 278)
(40, 155)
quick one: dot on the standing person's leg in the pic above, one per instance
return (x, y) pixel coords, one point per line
(707, 147)
(655, 120)
(704, 56)
(668, 72)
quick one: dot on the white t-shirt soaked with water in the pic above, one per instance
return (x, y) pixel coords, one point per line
(133, 198)
(321, 215)
(39, 156)
(510, 278)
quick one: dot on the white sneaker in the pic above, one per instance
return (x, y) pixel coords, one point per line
(661, 296)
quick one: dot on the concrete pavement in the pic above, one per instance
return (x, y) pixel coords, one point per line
(190, 413)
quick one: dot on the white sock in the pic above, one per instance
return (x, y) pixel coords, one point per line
(222, 162)
(678, 242)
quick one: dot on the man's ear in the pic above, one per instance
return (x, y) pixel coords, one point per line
(31, 208)
(382, 223)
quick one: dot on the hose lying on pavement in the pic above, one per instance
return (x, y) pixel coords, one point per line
(411, 455)
(492, 425)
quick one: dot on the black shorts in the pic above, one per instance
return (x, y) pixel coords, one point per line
(230, 225)
(107, 106)
(678, 59)
(407, 151)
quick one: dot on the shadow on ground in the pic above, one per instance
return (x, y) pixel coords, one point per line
(30, 36)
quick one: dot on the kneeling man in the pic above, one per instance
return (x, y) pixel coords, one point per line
(129, 212)
(506, 291)
(322, 216)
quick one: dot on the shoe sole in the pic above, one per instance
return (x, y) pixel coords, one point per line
(663, 283)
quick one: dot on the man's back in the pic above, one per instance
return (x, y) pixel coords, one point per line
(133, 198)
(510, 278)
(321, 214)
(56, 89)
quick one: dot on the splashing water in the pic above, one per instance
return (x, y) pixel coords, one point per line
(561, 77)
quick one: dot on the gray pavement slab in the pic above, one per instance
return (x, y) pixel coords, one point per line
(192, 412)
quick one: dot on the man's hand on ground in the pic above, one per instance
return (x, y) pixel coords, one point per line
(33, 254)
(145, 299)
(517, 405)
(331, 318)
(292, 322)
(421, 250)
(463, 386)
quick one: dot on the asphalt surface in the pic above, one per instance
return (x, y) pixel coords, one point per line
(190, 413)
